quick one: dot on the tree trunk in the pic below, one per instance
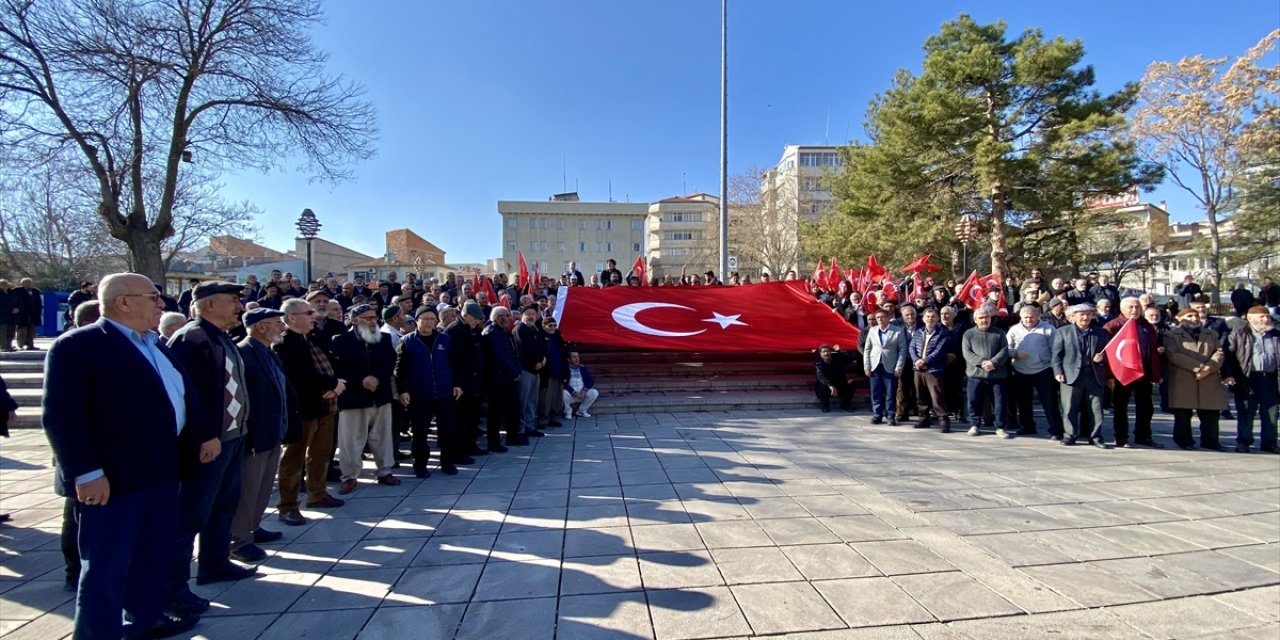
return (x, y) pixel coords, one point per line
(1215, 252)
(998, 265)
(145, 255)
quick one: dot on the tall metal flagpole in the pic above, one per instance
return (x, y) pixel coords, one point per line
(724, 140)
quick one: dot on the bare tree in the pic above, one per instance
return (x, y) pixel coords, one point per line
(139, 88)
(764, 225)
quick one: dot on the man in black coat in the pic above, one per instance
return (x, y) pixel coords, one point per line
(208, 500)
(274, 420)
(364, 356)
(502, 377)
(1077, 363)
(10, 311)
(531, 348)
(466, 359)
(187, 297)
(833, 380)
(308, 368)
(1241, 299)
(116, 410)
(31, 315)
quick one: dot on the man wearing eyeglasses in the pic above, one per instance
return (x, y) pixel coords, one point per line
(116, 404)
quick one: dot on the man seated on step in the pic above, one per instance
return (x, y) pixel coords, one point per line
(832, 379)
(579, 388)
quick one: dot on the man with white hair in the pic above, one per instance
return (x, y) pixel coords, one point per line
(115, 405)
(579, 388)
(170, 322)
(1030, 350)
(986, 355)
(1251, 370)
(1139, 390)
(365, 356)
(1078, 366)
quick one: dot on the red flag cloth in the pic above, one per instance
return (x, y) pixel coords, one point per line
(524, 273)
(639, 269)
(1124, 355)
(769, 317)
(874, 271)
(834, 275)
(486, 285)
(972, 292)
(993, 282)
(820, 277)
(920, 264)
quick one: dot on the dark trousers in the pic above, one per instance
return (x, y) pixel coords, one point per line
(126, 548)
(1023, 387)
(982, 388)
(844, 392)
(953, 385)
(421, 411)
(1208, 427)
(399, 424)
(931, 398)
(1082, 408)
(7, 334)
(70, 536)
(467, 421)
(504, 412)
(884, 392)
(207, 504)
(906, 396)
(1261, 398)
(1140, 391)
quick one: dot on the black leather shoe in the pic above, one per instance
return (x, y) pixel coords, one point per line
(534, 434)
(165, 627)
(497, 448)
(228, 573)
(1186, 446)
(1151, 444)
(293, 518)
(893, 422)
(465, 460)
(186, 603)
(249, 553)
(1067, 442)
(1242, 448)
(1056, 438)
(1271, 450)
(877, 420)
(449, 470)
(920, 424)
(263, 536)
(422, 473)
(1124, 445)
(1099, 443)
(1212, 446)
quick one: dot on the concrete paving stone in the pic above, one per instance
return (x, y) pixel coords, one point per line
(806, 530)
(265, 594)
(1188, 509)
(30, 565)
(657, 512)
(754, 565)
(1159, 576)
(597, 542)
(32, 599)
(1263, 555)
(317, 557)
(530, 619)
(1083, 546)
(434, 584)
(439, 621)
(604, 616)
(497, 486)
(785, 607)
(614, 515)
(534, 519)
(1018, 549)
(421, 526)
(649, 492)
(1025, 519)
(1079, 515)
(522, 579)
(347, 590)
(543, 498)
(461, 523)
(595, 496)
(868, 602)
(807, 487)
(1089, 585)
(1066, 625)
(685, 614)
(339, 530)
(1259, 603)
(745, 533)
(57, 623)
(968, 522)
(716, 509)
(753, 488)
(536, 482)
(1130, 512)
(678, 570)
(1224, 570)
(828, 561)
(367, 508)
(248, 626)
(606, 479)
(897, 557)
(455, 550)
(391, 553)
(1144, 540)
(666, 537)
(1186, 617)
(418, 505)
(600, 574)
(955, 596)
(483, 501)
(529, 545)
(904, 632)
(292, 626)
(1261, 527)
(692, 474)
(830, 505)
(781, 507)
(1205, 535)
(1030, 496)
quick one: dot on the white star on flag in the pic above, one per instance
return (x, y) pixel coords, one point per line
(725, 321)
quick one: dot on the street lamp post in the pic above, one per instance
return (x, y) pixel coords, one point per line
(966, 231)
(309, 228)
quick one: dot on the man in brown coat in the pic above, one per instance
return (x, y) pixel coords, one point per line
(1195, 363)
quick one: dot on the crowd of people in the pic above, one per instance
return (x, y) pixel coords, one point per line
(21, 311)
(941, 358)
(170, 426)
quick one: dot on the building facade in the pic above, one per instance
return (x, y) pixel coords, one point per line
(407, 252)
(683, 234)
(795, 190)
(553, 232)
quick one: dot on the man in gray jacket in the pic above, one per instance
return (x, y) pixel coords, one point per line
(986, 355)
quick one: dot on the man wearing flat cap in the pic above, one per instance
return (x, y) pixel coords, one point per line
(208, 498)
(275, 420)
(1077, 363)
(364, 356)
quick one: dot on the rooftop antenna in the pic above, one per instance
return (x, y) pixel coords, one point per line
(684, 183)
(610, 189)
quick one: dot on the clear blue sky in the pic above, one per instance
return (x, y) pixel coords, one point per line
(500, 100)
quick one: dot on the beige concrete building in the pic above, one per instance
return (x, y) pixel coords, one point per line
(799, 184)
(407, 252)
(766, 235)
(683, 233)
(553, 232)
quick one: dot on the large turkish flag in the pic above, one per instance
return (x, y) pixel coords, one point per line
(765, 317)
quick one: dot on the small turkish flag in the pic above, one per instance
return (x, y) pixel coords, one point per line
(638, 269)
(769, 317)
(524, 273)
(972, 292)
(1124, 355)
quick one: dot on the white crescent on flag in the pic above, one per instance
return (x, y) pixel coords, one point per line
(1120, 347)
(625, 316)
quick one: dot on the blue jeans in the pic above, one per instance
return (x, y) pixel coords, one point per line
(125, 559)
(884, 390)
(1263, 401)
(207, 505)
(528, 401)
(978, 389)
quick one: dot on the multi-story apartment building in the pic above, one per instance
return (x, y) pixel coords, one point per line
(799, 182)
(683, 234)
(553, 232)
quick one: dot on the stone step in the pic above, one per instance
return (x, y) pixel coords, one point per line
(23, 356)
(28, 418)
(27, 397)
(20, 366)
(31, 380)
(667, 402)
(705, 383)
(695, 369)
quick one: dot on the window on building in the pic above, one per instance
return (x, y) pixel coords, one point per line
(637, 225)
(511, 222)
(582, 247)
(599, 247)
(533, 246)
(635, 246)
(810, 160)
(560, 223)
(681, 235)
(608, 247)
(560, 246)
(608, 223)
(542, 224)
(582, 225)
(543, 246)
(599, 267)
(533, 223)
(511, 245)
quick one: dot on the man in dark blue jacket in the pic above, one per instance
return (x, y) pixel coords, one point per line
(928, 355)
(502, 375)
(116, 405)
(531, 347)
(208, 500)
(466, 359)
(364, 356)
(273, 421)
(425, 382)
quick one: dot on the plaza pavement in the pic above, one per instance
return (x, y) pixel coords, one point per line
(712, 525)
